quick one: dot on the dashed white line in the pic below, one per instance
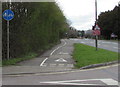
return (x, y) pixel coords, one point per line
(43, 62)
(52, 65)
(69, 65)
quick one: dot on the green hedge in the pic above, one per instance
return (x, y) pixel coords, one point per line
(35, 29)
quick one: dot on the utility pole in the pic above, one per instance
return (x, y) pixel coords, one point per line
(96, 36)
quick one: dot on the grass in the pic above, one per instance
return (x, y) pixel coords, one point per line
(86, 55)
(16, 60)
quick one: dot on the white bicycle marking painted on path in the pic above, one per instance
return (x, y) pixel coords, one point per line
(42, 64)
(61, 60)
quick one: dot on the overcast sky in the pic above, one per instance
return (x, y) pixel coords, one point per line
(81, 13)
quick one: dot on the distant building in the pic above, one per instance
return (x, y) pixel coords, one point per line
(73, 33)
(89, 33)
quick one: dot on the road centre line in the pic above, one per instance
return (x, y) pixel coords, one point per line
(58, 48)
(43, 62)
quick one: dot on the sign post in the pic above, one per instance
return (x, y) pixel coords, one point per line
(96, 32)
(8, 15)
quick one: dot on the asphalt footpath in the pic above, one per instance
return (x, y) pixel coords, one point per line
(57, 59)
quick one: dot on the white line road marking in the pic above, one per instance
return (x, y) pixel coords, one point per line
(58, 48)
(99, 44)
(63, 53)
(115, 47)
(74, 39)
(109, 81)
(43, 62)
(106, 42)
(61, 65)
(69, 65)
(114, 43)
(86, 39)
(70, 82)
(82, 42)
(61, 60)
(91, 42)
(53, 65)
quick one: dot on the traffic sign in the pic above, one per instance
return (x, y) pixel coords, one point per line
(96, 30)
(8, 15)
(97, 27)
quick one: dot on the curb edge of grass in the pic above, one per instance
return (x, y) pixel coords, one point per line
(99, 65)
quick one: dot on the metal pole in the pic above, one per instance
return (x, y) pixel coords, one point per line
(96, 10)
(8, 38)
(96, 42)
(0, 32)
(96, 37)
(8, 45)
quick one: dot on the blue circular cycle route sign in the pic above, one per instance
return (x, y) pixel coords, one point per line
(8, 15)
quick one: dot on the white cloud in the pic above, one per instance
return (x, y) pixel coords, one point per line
(82, 12)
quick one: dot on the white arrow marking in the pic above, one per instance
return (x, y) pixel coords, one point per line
(70, 82)
(61, 60)
(109, 81)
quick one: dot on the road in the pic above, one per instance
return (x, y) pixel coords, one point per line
(101, 76)
(55, 67)
(104, 44)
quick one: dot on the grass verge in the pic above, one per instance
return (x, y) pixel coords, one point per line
(16, 60)
(86, 55)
